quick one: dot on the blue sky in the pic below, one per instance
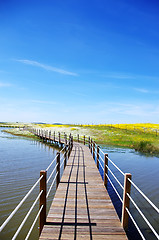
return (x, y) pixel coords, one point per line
(79, 61)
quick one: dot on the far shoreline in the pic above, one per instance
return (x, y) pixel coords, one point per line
(144, 142)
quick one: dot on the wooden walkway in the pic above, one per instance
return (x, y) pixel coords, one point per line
(82, 208)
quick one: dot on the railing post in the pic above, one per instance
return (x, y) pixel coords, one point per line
(65, 139)
(89, 142)
(84, 140)
(93, 150)
(65, 156)
(77, 137)
(59, 138)
(71, 143)
(54, 136)
(42, 218)
(91, 145)
(126, 200)
(105, 169)
(58, 170)
(98, 157)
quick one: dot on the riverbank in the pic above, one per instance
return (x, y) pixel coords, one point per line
(146, 142)
(20, 132)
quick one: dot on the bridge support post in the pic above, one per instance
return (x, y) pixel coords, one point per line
(93, 150)
(126, 201)
(42, 218)
(98, 157)
(105, 169)
(58, 170)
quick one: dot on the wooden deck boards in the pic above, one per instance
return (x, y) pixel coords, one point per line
(82, 208)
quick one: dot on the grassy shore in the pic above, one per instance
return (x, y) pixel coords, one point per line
(20, 132)
(143, 141)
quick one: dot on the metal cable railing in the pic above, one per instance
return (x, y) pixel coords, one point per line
(27, 215)
(19, 205)
(114, 188)
(51, 185)
(143, 216)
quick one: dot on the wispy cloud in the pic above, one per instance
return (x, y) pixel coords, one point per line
(122, 75)
(5, 84)
(119, 76)
(47, 67)
(142, 90)
(43, 102)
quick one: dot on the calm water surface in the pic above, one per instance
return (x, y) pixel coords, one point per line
(145, 174)
(21, 161)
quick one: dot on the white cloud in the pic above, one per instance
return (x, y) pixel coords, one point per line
(47, 67)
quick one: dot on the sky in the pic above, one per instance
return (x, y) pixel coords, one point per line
(80, 62)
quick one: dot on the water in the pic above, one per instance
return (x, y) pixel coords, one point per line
(145, 174)
(20, 163)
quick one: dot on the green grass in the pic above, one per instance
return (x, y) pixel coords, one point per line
(19, 132)
(143, 142)
(146, 142)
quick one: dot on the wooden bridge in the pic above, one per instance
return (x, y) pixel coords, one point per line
(82, 208)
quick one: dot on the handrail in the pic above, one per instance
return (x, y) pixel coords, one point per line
(51, 185)
(19, 205)
(115, 178)
(52, 173)
(135, 224)
(32, 226)
(143, 216)
(144, 196)
(114, 188)
(26, 217)
(51, 163)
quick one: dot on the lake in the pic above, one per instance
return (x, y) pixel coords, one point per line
(21, 160)
(145, 174)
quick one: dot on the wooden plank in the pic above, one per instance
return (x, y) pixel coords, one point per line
(82, 208)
